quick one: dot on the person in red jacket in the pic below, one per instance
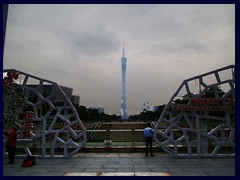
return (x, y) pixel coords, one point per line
(11, 143)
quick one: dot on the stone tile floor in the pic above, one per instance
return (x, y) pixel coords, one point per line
(123, 164)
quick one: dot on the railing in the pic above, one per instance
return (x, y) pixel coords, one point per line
(117, 138)
(96, 126)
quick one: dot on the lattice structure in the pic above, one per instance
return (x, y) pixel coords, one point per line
(200, 124)
(43, 113)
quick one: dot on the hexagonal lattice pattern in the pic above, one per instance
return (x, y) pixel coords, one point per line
(53, 121)
(201, 121)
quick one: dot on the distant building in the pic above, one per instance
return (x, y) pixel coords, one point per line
(123, 110)
(47, 91)
(75, 100)
(154, 108)
(99, 109)
(147, 107)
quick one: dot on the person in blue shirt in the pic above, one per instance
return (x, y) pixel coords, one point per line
(148, 134)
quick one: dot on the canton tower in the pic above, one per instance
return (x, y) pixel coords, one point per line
(123, 111)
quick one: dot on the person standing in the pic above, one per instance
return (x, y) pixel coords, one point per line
(11, 143)
(148, 134)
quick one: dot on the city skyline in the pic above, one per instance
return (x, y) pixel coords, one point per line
(79, 46)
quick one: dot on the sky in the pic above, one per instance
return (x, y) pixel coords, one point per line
(80, 46)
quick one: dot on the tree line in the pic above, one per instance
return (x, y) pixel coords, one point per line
(92, 115)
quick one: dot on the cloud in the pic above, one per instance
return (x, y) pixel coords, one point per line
(80, 46)
(96, 43)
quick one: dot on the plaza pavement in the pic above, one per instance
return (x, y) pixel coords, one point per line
(123, 164)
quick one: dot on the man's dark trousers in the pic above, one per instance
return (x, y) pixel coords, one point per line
(149, 142)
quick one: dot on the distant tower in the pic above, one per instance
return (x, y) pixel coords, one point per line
(123, 111)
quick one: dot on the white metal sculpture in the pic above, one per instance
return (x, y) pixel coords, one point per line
(49, 119)
(203, 124)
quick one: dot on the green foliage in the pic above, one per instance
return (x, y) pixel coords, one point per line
(92, 115)
(148, 115)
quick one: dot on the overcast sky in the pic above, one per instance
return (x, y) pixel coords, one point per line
(80, 46)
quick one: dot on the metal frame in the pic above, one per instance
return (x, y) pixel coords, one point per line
(63, 112)
(197, 122)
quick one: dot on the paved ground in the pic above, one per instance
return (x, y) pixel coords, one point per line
(125, 164)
